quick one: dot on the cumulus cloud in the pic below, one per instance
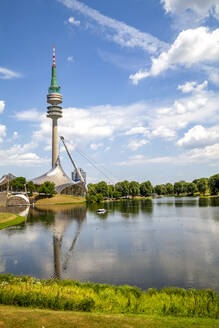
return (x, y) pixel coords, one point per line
(138, 130)
(199, 136)
(74, 21)
(2, 132)
(94, 146)
(19, 155)
(202, 8)
(30, 115)
(192, 86)
(206, 154)
(135, 144)
(2, 106)
(117, 31)
(85, 125)
(192, 47)
(93, 125)
(7, 74)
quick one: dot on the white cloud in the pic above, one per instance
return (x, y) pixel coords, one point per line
(94, 146)
(7, 74)
(135, 144)
(199, 136)
(192, 86)
(138, 130)
(192, 47)
(15, 135)
(202, 8)
(2, 132)
(2, 106)
(31, 115)
(118, 31)
(90, 124)
(74, 21)
(70, 59)
(207, 154)
(19, 155)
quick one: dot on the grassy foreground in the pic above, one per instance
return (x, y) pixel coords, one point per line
(70, 295)
(60, 200)
(13, 317)
(9, 219)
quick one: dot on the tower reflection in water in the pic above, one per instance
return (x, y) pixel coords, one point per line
(60, 218)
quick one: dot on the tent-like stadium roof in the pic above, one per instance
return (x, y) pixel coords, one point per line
(55, 175)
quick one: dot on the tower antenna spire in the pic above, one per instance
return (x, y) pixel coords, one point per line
(54, 56)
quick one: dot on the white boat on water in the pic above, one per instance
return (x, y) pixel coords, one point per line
(101, 211)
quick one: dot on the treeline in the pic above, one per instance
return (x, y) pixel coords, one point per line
(20, 184)
(125, 189)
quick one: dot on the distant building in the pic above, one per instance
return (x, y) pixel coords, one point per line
(4, 181)
(75, 176)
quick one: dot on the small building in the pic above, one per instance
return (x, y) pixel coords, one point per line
(4, 181)
(75, 176)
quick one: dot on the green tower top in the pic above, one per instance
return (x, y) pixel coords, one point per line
(54, 87)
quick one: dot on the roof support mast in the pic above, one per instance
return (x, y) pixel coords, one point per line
(74, 164)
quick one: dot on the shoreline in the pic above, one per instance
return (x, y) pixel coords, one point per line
(10, 219)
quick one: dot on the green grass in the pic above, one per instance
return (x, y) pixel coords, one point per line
(60, 199)
(9, 219)
(101, 298)
(13, 317)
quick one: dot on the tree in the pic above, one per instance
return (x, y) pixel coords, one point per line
(117, 194)
(17, 184)
(91, 189)
(122, 187)
(191, 188)
(214, 184)
(111, 190)
(30, 187)
(102, 188)
(134, 188)
(146, 188)
(202, 185)
(169, 188)
(47, 188)
(160, 189)
(99, 198)
(179, 187)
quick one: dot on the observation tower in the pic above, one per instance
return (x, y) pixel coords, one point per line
(63, 184)
(54, 111)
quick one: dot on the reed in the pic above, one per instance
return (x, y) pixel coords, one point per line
(89, 297)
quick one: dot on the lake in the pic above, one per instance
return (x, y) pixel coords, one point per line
(146, 243)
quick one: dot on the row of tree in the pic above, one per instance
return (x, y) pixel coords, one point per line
(133, 188)
(20, 184)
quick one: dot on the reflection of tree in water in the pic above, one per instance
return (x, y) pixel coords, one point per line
(189, 202)
(214, 201)
(127, 208)
(203, 202)
(147, 206)
(59, 218)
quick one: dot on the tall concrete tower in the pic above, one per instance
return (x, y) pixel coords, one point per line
(54, 98)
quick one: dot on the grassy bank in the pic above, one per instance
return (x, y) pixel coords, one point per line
(60, 200)
(13, 317)
(9, 219)
(101, 298)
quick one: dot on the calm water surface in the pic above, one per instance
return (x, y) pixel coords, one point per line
(163, 242)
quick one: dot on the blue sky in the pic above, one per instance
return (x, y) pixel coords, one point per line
(140, 86)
